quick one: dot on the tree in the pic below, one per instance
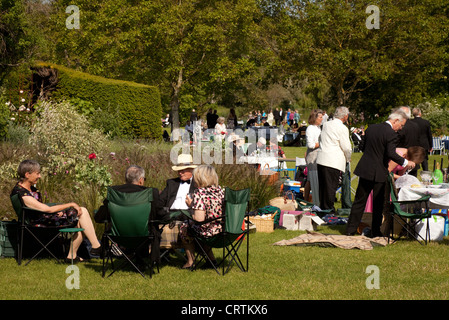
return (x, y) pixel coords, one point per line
(200, 48)
(15, 38)
(327, 43)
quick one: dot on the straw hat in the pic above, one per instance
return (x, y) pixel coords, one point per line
(184, 161)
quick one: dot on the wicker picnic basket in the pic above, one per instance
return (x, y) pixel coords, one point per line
(263, 224)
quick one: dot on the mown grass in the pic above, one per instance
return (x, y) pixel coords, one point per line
(407, 270)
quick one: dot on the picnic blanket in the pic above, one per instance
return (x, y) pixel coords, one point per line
(312, 238)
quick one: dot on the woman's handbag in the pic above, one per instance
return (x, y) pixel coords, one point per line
(284, 203)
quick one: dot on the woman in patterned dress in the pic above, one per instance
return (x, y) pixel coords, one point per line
(206, 203)
(67, 214)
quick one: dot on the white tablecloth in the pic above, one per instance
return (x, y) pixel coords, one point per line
(438, 195)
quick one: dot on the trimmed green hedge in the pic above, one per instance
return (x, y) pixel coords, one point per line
(139, 105)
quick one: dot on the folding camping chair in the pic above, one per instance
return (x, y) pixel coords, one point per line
(408, 220)
(437, 145)
(130, 233)
(236, 203)
(43, 235)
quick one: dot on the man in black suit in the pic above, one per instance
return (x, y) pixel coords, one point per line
(409, 135)
(379, 148)
(425, 135)
(134, 182)
(173, 197)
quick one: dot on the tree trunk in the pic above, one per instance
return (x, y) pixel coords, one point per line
(174, 105)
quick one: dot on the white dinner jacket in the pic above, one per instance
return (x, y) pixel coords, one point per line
(335, 147)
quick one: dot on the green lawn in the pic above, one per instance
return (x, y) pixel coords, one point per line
(407, 270)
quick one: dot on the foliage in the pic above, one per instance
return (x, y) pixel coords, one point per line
(201, 49)
(437, 112)
(15, 38)
(4, 117)
(136, 107)
(66, 139)
(370, 70)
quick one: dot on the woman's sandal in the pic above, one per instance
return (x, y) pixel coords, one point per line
(75, 260)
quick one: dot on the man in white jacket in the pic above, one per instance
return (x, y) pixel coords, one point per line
(335, 151)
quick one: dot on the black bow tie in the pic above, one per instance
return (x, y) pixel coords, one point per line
(188, 181)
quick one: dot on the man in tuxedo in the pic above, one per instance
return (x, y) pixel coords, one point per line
(380, 147)
(335, 151)
(425, 135)
(173, 197)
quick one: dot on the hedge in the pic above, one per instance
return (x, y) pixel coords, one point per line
(139, 105)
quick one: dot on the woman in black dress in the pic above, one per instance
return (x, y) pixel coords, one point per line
(67, 214)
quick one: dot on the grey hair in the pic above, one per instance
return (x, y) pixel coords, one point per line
(407, 111)
(416, 112)
(398, 114)
(134, 174)
(341, 112)
(27, 166)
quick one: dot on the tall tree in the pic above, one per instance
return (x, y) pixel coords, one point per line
(203, 48)
(328, 43)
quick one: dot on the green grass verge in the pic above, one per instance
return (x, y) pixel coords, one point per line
(407, 270)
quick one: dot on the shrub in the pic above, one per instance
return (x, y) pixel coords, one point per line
(66, 141)
(138, 105)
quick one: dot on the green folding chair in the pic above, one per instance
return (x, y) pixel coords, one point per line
(408, 220)
(44, 236)
(235, 209)
(130, 231)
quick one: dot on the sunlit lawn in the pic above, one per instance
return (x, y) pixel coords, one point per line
(406, 270)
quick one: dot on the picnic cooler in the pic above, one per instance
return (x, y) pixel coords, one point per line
(263, 223)
(292, 186)
(8, 238)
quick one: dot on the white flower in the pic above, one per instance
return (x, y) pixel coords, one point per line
(21, 91)
(22, 108)
(23, 99)
(8, 103)
(12, 119)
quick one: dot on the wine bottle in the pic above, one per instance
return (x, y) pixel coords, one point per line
(437, 175)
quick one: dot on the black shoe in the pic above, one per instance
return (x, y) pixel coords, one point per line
(96, 252)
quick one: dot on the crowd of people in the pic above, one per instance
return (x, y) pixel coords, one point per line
(397, 145)
(195, 189)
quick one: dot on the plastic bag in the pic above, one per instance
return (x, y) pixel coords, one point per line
(406, 181)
